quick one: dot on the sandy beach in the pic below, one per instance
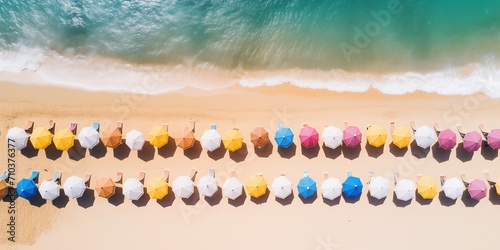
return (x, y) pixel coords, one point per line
(264, 223)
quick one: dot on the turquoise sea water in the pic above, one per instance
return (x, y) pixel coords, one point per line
(386, 36)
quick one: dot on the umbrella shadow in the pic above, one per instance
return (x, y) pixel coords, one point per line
(217, 154)
(487, 152)
(147, 153)
(168, 150)
(309, 200)
(440, 154)
(333, 202)
(421, 200)
(76, 152)
(398, 202)
(143, 201)
(194, 152)
(351, 153)
(374, 201)
(287, 201)
(262, 199)
(118, 198)
(168, 200)
(462, 154)
(493, 196)
(11, 195)
(445, 201)
(121, 152)
(331, 153)
(289, 152)
(52, 153)
(468, 200)
(374, 151)
(29, 151)
(240, 154)
(215, 199)
(37, 200)
(310, 152)
(265, 151)
(87, 200)
(238, 201)
(351, 200)
(396, 151)
(193, 199)
(99, 150)
(419, 152)
(61, 201)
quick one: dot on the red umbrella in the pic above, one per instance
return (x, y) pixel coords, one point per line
(308, 136)
(352, 136)
(472, 141)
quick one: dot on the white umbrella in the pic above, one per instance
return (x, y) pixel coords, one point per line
(282, 187)
(134, 140)
(133, 189)
(88, 137)
(74, 187)
(332, 137)
(49, 190)
(232, 188)
(425, 136)
(379, 187)
(453, 188)
(331, 188)
(207, 185)
(19, 136)
(183, 187)
(405, 190)
(210, 140)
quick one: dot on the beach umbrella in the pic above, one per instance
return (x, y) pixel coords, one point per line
(41, 138)
(88, 137)
(210, 140)
(183, 187)
(134, 140)
(497, 187)
(158, 136)
(453, 188)
(306, 187)
(379, 187)
(256, 186)
(74, 187)
(185, 139)
(232, 140)
(352, 136)
(447, 139)
(19, 136)
(427, 187)
(259, 137)
(207, 186)
(26, 188)
(105, 187)
(49, 190)
(309, 137)
(331, 188)
(133, 189)
(283, 137)
(332, 137)
(472, 141)
(157, 188)
(281, 187)
(352, 187)
(405, 190)
(232, 188)
(376, 135)
(477, 189)
(64, 139)
(401, 137)
(111, 137)
(4, 188)
(494, 139)
(424, 136)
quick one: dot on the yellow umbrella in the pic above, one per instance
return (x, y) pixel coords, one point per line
(64, 139)
(157, 188)
(158, 136)
(41, 138)
(427, 187)
(497, 187)
(232, 140)
(401, 137)
(376, 135)
(256, 186)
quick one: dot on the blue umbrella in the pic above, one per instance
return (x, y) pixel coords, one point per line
(352, 187)
(284, 137)
(306, 187)
(26, 188)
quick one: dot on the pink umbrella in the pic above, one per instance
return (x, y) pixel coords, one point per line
(494, 139)
(477, 189)
(308, 136)
(447, 139)
(352, 136)
(472, 141)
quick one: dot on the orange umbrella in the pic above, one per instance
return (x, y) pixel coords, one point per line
(105, 187)
(259, 137)
(185, 139)
(4, 188)
(111, 137)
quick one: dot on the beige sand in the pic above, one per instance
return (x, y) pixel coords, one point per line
(266, 223)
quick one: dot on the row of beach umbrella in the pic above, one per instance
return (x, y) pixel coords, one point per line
(256, 186)
(232, 140)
